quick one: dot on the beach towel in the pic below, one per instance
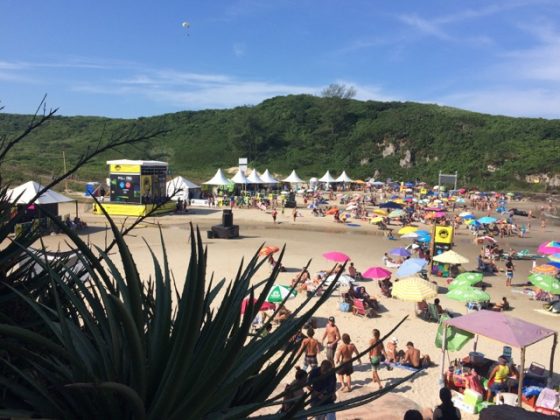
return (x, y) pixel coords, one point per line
(401, 366)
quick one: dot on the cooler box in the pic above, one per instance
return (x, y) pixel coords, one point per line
(472, 397)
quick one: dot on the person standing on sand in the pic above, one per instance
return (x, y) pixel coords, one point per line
(332, 334)
(294, 214)
(375, 356)
(311, 347)
(509, 271)
(344, 361)
(274, 215)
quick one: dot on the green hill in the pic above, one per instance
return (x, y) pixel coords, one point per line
(312, 134)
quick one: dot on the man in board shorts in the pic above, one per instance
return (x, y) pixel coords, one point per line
(375, 356)
(311, 348)
(332, 334)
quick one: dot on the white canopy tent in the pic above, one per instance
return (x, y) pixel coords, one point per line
(328, 178)
(343, 177)
(240, 178)
(24, 193)
(267, 178)
(218, 179)
(254, 178)
(293, 178)
(181, 188)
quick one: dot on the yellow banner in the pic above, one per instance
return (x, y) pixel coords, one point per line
(124, 168)
(444, 235)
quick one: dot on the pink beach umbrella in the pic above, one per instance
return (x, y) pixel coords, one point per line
(264, 307)
(549, 248)
(336, 256)
(439, 214)
(376, 273)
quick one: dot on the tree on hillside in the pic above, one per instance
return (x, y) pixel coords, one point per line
(335, 90)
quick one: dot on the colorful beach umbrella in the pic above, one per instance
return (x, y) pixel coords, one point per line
(411, 267)
(461, 283)
(396, 213)
(411, 235)
(376, 220)
(422, 232)
(336, 256)
(400, 252)
(424, 238)
(546, 283)
(407, 229)
(465, 214)
(414, 289)
(468, 294)
(267, 250)
(381, 212)
(545, 269)
(278, 293)
(549, 248)
(376, 273)
(554, 258)
(450, 257)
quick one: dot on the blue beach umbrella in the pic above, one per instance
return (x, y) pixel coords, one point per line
(400, 252)
(486, 220)
(411, 267)
(468, 217)
(422, 232)
(424, 238)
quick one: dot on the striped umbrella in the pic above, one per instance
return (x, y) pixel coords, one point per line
(554, 258)
(549, 248)
(414, 289)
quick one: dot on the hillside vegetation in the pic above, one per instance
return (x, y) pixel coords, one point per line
(310, 134)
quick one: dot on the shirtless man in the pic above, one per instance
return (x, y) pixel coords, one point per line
(311, 348)
(332, 334)
(412, 357)
(343, 360)
(375, 356)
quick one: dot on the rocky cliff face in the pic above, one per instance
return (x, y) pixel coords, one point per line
(548, 179)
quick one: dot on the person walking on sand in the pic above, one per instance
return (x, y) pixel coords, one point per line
(274, 215)
(344, 361)
(332, 334)
(311, 347)
(375, 356)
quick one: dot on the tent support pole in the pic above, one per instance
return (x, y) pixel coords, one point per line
(76, 207)
(554, 343)
(475, 342)
(521, 377)
(443, 347)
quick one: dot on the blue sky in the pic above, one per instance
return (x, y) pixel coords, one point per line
(129, 58)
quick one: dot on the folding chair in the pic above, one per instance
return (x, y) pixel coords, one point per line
(359, 309)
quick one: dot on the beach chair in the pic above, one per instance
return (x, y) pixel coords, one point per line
(432, 313)
(359, 309)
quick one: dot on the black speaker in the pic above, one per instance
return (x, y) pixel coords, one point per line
(227, 218)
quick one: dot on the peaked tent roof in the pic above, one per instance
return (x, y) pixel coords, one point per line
(218, 179)
(497, 326)
(27, 191)
(179, 187)
(254, 178)
(327, 178)
(240, 178)
(267, 178)
(180, 182)
(293, 178)
(343, 177)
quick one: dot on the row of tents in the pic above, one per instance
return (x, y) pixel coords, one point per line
(266, 178)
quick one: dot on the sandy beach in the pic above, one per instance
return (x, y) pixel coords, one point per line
(308, 238)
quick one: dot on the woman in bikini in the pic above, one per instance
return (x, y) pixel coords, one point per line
(343, 360)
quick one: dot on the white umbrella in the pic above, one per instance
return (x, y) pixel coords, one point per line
(24, 193)
(254, 178)
(343, 177)
(344, 280)
(450, 257)
(327, 178)
(218, 179)
(240, 178)
(267, 178)
(293, 178)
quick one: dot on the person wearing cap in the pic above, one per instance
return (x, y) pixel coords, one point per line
(332, 334)
(500, 374)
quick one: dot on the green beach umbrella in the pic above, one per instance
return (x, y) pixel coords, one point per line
(468, 294)
(456, 339)
(472, 277)
(545, 282)
(278, 293)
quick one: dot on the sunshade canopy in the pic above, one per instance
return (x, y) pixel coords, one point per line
(179, 187)
(343, 177)
(451, 257)
(240, 178)
(24, 193)
(497, 326)
(254, 178)
(218, 179)
(414, 289)
(327, 178)
(267, 178)
(293, 178)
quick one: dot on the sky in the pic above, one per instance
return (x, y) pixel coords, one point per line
(131, 58)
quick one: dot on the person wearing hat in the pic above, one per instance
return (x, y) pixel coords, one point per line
(332, 334)
(500, 374)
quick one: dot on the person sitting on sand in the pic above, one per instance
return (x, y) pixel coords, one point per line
(294, 391)
(422, 308)
(392, 354)
(282, 314)
(301, 278)
(352, 272)
(501, 306)
(361, 293)
(413, 359)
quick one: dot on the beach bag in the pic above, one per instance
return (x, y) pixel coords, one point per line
(344, 307)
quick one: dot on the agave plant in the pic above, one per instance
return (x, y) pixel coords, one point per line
(119, 348)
